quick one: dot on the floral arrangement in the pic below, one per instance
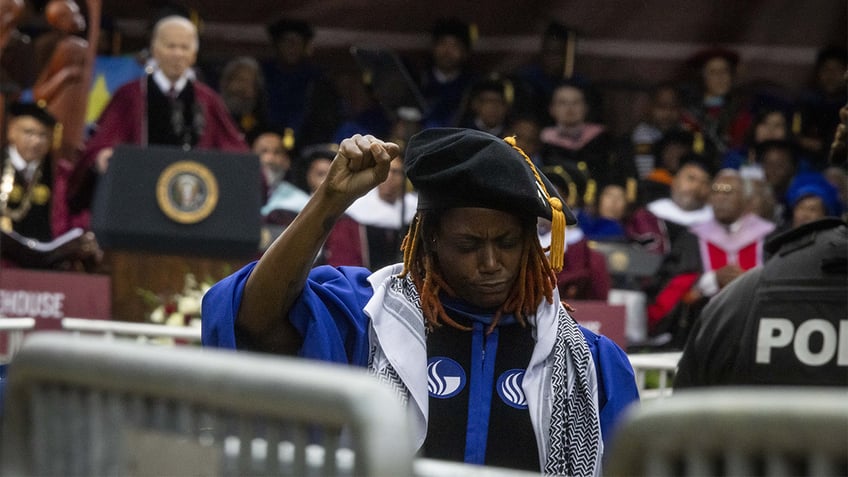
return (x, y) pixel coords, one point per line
(179, 309)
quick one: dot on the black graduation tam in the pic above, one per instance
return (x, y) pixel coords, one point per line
(33, 110)
(700, 161)
(452, 167)
(559, 31)
(701, 57)
(286, 25)
(569, 180)
(780, 144)
(453, 27)
(494, 83)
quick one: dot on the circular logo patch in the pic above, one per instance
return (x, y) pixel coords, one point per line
(187, 192)
(445, 377)
(509, 388)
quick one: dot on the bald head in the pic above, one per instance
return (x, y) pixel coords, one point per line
(174, 46)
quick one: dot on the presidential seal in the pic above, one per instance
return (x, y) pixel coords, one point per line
(187, 192)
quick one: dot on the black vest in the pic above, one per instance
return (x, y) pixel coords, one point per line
(36, 223)
(176, 122)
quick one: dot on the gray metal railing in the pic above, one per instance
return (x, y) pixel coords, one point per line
(766, 431)
(88, 406)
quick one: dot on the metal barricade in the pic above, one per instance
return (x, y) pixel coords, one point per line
(662, 364)
(89, 406)
(766, 431)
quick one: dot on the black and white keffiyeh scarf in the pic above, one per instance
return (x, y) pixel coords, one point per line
(573, 433)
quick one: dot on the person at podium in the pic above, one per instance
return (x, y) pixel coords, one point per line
(167, 106)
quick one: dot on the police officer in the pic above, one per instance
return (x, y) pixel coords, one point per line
(785, 323)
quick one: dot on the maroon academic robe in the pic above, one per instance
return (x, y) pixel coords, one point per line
(123, 122)
(584, 274)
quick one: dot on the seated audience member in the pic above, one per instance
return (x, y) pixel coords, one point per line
(575, 141)
(283, 197)
(489, 105)
(553, 63)
(819, 105)
(755, 333)
(762, 201)
(714, 107)
(474, 298)
(706, 259)
(384, 212)
(663, 116)
(274, 157)
(30, 208)
(345, 245)
(668, 152)
(448, 77)
(608, 220)
(242, 87)
(770, 124)
(779, 163)
(526, 130)
(584, 274)
(811, 198)
(300, 95)
(687, 204)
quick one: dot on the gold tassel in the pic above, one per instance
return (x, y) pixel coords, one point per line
(698, 143)
(473, 34)
(508, 91)
(796, 123)
(557, 253)
(589, 196)
(288, 139)
(631, 190)
(572, 194)
(57, 136)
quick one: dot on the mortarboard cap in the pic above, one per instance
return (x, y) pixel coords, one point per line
(780, 144)
(286, 25)
(698, 160)
(494, 83)
(33, 110)
(456, 28)
(700, 58)
(452, 167)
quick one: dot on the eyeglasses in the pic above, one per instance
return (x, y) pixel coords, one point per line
(723, 188)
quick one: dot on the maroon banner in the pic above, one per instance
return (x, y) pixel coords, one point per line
(601, 318)
(50, 296)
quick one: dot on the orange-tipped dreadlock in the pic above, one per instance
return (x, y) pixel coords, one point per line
(536, 279)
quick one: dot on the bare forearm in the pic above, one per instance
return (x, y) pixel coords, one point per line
(279, 276)
(277, 280)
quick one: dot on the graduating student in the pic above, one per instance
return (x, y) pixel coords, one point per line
(469, 329)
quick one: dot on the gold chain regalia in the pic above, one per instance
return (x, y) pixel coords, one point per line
(7, 183)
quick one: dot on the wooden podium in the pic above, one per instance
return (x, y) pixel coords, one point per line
(162, 212)
(159, 273)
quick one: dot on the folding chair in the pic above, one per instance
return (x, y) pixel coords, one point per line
(88, 406)
(768, 431)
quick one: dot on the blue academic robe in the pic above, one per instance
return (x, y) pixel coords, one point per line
(329, 316)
